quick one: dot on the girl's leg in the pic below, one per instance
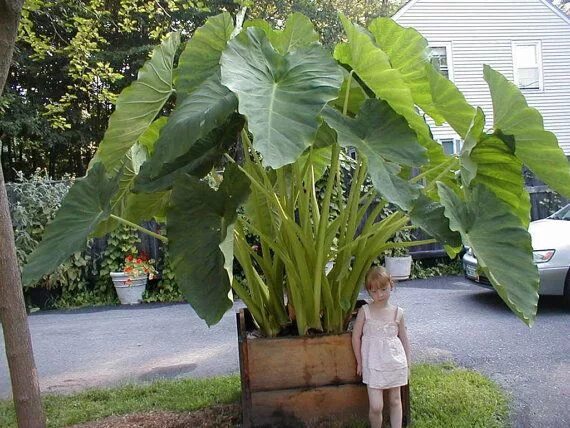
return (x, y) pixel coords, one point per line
(376, 402)
(395, 407)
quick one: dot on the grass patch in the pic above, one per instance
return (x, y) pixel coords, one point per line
(446, 396)
(442, 396)
(174, 395)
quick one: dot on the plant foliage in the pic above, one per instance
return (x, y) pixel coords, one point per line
(295, 108)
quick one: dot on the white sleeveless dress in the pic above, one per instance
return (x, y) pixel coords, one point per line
(384, 362)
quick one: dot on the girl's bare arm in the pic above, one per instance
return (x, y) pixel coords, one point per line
(403, 335)
(357, 339)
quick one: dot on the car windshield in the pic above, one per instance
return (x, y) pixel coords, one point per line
(562, 214)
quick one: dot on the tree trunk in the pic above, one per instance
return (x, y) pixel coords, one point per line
(23, 374)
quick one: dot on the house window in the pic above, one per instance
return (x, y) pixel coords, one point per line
(441, 58)
(450, 145)
(527, 64)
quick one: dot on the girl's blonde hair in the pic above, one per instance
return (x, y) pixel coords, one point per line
(376, 277)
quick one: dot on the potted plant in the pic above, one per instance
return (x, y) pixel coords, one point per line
(130, 283)
(295, 108)
(398, 261)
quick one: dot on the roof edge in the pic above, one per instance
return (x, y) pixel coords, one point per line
(548, 4)
(557, 10)
(403, 9)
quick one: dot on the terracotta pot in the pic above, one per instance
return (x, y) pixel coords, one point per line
(292, 381)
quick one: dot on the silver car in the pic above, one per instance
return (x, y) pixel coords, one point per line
(551, 252)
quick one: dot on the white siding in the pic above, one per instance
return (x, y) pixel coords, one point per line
(481, 32)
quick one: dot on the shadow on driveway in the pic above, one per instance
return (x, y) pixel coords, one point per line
(547, 305)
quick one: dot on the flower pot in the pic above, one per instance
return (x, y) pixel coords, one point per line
(399, 268)
(130, 290)
(295, 381)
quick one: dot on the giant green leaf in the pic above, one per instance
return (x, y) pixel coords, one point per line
(298, 32)
(200, 223)
(450, 102)
(201, 58)
(83, 208)
(502, 246)
(280, 95)
(149, 138)
(319, 159)
(537, 148)
(356, 94)
(197, 161)
(374, 68)
(138, 104)
(501, 172)
(472, 137)
(381, 135)
(127, 171)
(193, 119)
(488, 160)
(147, 206)
(409, 53)
(429, 215)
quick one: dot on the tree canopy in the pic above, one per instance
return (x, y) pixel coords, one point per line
(70, 61)
(72, 58)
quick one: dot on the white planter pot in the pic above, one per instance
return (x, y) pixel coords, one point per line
(129, 290)
(399, 267)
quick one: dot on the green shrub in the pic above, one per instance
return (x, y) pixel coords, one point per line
(33, 203)
(83, 280)
(438, 267)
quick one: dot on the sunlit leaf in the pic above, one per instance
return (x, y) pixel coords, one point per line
(450, 102)
(373, 66)
(409, 53)
(201, 58)
(298, 32)
(537, 148)
(139, 104)
(502, 246)
(281, 96)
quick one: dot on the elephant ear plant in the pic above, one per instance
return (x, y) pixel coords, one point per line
(295, 109)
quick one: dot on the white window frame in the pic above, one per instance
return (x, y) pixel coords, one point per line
(457, 143)
(538, 46)
(448, 53)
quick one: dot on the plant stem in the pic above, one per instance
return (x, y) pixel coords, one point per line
(433, 182)
(140, 228)
(348, 83)
(443, 166)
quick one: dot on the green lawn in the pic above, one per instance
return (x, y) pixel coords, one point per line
(446, 396)
(442, 396)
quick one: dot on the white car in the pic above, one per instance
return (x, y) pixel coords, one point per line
(551, 251)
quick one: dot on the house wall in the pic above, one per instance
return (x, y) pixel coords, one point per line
(482, 32)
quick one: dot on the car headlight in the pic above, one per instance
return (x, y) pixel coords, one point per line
(542, 256)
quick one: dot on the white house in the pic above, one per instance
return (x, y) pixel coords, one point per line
(526, 40)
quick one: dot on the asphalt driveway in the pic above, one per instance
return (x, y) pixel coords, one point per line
(449, 319)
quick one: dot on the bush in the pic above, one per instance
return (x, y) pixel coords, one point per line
(33, 203)
(84, 278)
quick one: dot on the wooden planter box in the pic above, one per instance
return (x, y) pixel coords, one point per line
(291, 381)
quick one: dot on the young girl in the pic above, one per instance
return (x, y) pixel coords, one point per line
(381, 348)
